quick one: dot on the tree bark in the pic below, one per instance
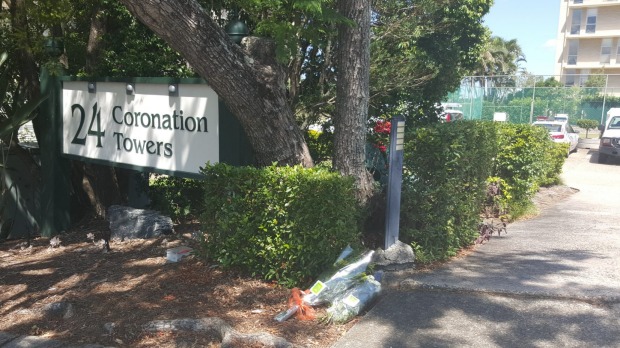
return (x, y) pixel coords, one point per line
(240, 80)
(352, 95)
(95, 38)
(96, 186)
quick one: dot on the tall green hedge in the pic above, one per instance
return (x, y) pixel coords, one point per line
(286, 224)
(524, 162)
(446, 167)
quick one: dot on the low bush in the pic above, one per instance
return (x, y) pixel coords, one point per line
(285, 224)
(526, 159)
(555, 156)
(444, 186)
(179, 198)
(450, 169)
(320, 145)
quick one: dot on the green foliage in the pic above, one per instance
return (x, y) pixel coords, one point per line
(179, 198)
(456, 171)
(497, 198)
(500, 57)
(285, 224)
(21, 111)
(522, 150)
(129, 48)
(420, 53)
(320, 144)
(554, 159)
(444, 186)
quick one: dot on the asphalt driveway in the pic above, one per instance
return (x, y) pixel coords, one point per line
(552, 281)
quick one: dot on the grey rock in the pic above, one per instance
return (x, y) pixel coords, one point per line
(59, 310)
(132, 223)
(235, 339)
(6, 337)
(215, 327)
(219, 329)
(33, 342)
(398, 257)
(109, 327)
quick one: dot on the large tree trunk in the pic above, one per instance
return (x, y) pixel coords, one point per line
(95, 37)
(352, 94)
(241, 81)
(95, 185)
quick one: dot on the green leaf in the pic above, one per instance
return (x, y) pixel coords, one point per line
(21, 116)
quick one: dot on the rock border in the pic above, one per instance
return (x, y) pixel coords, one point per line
(220, 330)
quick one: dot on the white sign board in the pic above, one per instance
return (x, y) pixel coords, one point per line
(500, 117)
(148, 128)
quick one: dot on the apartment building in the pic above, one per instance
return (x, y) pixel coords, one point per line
(588, 41)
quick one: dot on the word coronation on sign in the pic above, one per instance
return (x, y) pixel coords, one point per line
(145, 128)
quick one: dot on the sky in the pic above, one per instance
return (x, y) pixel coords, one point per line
(534, 23)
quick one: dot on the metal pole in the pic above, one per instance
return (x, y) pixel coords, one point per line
(532, 105)
(471, 100)
(604, 98)
(395, 180)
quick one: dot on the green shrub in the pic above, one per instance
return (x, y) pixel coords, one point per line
(555, 156)
(521, 162)
(179, 198)
(285, 224)
(444, 186)
(320, 145)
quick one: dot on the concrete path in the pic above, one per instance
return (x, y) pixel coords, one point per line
(552, 281)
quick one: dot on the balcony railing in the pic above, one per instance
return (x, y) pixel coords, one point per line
(586, 3)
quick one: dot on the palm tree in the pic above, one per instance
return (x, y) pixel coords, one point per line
(499, 60)
(500, 57)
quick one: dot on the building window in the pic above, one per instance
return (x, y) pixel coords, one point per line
(577, 1)
(575, 26)
(591, 20)
(583, 77)
(605, 51)
(569, 78)
(573, 50)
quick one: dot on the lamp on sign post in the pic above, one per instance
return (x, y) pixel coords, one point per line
(53, 47)
(236, 29)
(395, 180)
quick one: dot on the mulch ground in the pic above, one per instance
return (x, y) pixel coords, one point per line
(113, 295)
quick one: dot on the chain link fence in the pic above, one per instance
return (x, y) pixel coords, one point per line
(526, 97)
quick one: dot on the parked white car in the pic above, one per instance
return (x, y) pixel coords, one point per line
(610, 136)
(561, 117)
(561, 132)
(451, 115)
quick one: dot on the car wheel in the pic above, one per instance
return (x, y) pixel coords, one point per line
(602, 158)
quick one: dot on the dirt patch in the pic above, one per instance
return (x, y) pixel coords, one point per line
(79, 294)
(548, 196)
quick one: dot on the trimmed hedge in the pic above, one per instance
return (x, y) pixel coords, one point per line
(448, 168)
(286, 224)
(527, 159)
(179, 198)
